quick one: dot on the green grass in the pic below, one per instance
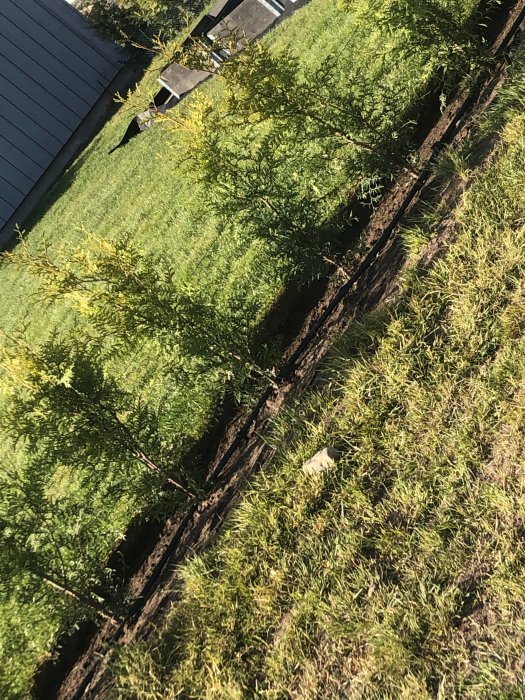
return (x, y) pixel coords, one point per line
(143, 192)
(400, 572)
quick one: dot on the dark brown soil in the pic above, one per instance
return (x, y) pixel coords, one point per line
(243, 448)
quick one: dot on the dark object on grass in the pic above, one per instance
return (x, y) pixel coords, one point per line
(143, 121)
(132, 130)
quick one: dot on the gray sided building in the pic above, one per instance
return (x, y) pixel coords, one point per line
(56, 76)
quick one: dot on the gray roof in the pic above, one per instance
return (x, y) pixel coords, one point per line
(250, 19)
(179, 79)
(53, 70)
(217, 7)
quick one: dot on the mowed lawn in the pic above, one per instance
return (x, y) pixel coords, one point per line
(144, 192)
(400, 572)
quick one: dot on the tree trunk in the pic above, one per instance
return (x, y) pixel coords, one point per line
(127, 442)
(338, 132)
(144, 459)
(86, 600)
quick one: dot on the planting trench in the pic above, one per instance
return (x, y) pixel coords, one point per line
(328, 313)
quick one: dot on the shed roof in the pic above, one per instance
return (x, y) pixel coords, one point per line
(251, 18)
(54, 69)
(217, 7)
(179, 79)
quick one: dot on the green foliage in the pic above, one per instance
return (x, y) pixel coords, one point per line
(257, 184)
(263, 84)
(264, 167)
(449, 38)
(63, 407)
(280, 123)
(139, 22)
(182, 221)
(399, 573)
(37, 549)
(130, 296)
(24, 631)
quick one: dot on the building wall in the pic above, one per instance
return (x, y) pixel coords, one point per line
(53, 70)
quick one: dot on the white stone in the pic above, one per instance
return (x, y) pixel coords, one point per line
(321, 462)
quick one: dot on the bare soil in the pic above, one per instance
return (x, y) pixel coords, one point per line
(243, 448)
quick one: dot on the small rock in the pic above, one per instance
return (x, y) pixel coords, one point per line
(321, 462)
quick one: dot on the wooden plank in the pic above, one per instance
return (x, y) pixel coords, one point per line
(53, 23)
(15, 176)
(31, 127)
(93, 67)
(25, 144)
(53, 70)
(46, 53)
(19, 66)
(19, 160)
(33, 110)
(6, 210)
(84, 33)
(36, 96)
(9, 194)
